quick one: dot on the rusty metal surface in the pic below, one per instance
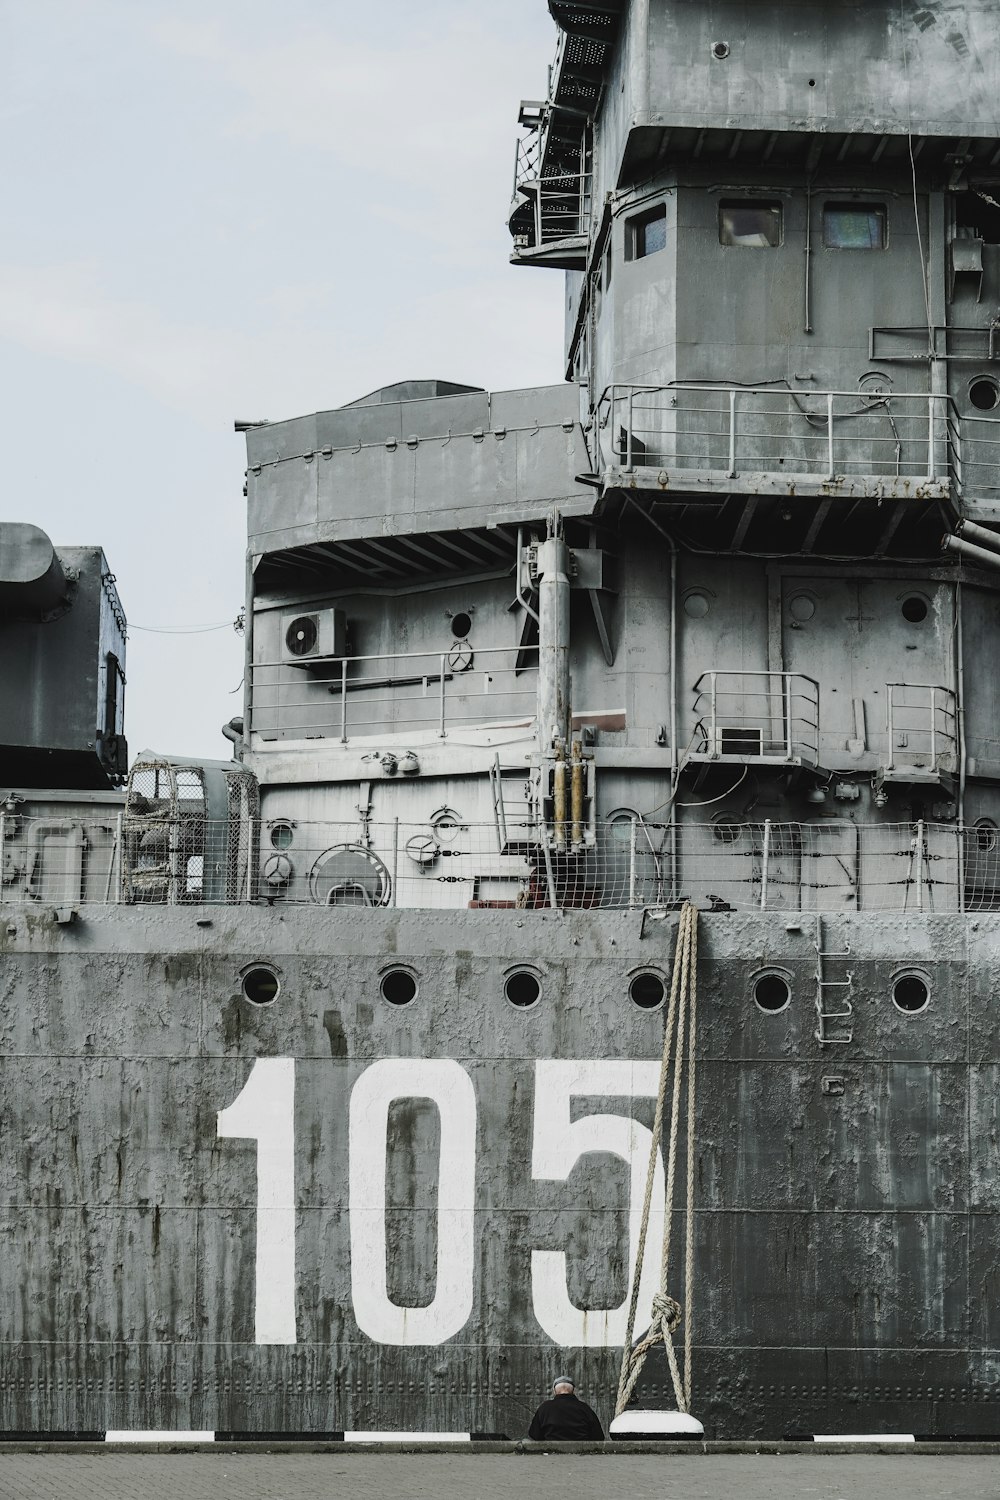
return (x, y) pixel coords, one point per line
(845, 1239)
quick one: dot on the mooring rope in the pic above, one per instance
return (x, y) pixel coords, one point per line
(666, 1312)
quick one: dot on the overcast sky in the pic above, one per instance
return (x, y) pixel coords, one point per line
(241, 209)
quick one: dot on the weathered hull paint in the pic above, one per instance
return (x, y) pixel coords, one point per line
(847, 1199)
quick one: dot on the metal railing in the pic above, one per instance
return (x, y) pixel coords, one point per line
(762, 716)
(432, 693)
(975, 445)
(830, 865)
(734, 430)
(921, 727)
(560, 201)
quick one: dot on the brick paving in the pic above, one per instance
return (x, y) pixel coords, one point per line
(217, 1475)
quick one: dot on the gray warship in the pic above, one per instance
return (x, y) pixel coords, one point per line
(329, 1067)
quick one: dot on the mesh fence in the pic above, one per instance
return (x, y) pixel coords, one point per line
(830, 865)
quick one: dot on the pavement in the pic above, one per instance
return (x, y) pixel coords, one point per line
(217, 1473)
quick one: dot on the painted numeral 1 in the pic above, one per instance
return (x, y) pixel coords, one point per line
(264, 1111)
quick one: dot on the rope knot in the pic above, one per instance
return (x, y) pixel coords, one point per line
(667, 1311)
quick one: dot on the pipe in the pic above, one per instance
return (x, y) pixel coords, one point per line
(32, 581)
(640, 43)
(672, 705)
(980, 534)
(807, 320)
(979, 555)
(553, 643)
(559, 798)
(960, 710)
(576, 794)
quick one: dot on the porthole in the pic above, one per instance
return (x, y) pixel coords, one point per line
(720, 51)
(446, 823)
(986, 835)
(771, 991)
(282, 834)
(801, 607)
(984, 393)
(914, 608)
(647, 989)
(523, 988)
(621, 824)
(461, 624)
(398, 986)
(911, 992)
(724, 829)
(696, 604)
(261, 985)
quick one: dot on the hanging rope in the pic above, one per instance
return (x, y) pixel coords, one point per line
(667, 1314)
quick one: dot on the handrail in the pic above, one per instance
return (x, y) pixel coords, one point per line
(779, 715)
(940, 739)
(284, 699)
(726, 429)
(745, 426)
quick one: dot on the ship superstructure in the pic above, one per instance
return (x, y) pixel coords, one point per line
(356, 1036)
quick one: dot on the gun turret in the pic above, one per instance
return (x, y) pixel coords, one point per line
(32, 581)
(62, 659)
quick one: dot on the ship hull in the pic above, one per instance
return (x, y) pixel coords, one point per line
(332, 1213)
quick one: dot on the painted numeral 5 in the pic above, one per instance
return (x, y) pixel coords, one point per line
(558, 1144)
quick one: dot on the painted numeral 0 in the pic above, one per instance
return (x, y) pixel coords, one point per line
(448, 1085)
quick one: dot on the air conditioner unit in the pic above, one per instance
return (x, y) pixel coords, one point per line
(743, 741)
(313, 635)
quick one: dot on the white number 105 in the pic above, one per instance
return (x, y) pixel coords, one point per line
(264, 1112)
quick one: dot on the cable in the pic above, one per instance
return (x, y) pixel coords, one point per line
(722, 797)
(920, 247)
(913, 175)
(182, 629)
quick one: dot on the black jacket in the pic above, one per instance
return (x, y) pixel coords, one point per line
(565, 1419)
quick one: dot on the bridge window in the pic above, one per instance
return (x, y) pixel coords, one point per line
(754, 226)
(854, 226)
(646, 233)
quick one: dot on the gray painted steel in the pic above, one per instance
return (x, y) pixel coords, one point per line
(682, 628)
(845, 1239)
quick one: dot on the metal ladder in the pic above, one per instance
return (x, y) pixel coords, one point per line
(840, 1020)
(513, 818)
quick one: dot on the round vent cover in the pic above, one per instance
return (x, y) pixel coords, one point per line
(301, 636)
(349, 875)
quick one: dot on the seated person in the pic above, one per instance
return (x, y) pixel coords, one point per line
(565, 1418)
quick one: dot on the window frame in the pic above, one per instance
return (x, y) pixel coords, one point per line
(773, 206)
(635, 232)
(881, 209)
